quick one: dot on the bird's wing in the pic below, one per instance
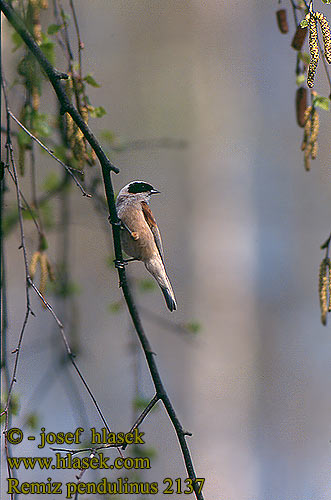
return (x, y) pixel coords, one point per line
(149, 217)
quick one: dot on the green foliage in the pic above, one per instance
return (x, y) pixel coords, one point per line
(53, 29)
(108, 136)
(32, 421)
(97, 112)
(146, 285)
(43, 243)
(23, 139)
(321, 102)
(193, 327)
(305, 57)
(300, 79)
(40, 124)
(10, 220)
(115, 307)
(64, 290)
(91, 81)
(46, 210)
(17, 40)
(14, 405)
(48, 48)
(304, 23)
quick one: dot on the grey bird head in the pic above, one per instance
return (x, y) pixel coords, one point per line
(140, 190)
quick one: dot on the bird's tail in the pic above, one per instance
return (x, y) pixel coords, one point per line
(169, 297)
(156, 268)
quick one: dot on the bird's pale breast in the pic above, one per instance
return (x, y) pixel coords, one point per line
(133, 218)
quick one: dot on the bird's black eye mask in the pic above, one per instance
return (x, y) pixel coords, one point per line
(140, 187)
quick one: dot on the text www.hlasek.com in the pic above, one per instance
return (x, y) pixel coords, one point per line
(70, 462)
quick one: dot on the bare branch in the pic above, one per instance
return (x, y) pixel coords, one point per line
(143, 415)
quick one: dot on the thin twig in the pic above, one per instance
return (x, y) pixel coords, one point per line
(143, 415)
(68, 169)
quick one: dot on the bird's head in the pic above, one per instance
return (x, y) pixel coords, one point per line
(138, 189)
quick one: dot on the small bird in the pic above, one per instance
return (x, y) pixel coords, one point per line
(141, 237)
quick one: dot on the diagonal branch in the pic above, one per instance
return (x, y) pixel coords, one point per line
(55, 77)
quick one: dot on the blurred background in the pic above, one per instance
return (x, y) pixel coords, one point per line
(242, 223)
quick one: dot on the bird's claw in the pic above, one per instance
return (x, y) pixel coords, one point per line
(120, 264)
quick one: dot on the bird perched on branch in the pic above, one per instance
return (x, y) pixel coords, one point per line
(141, 237)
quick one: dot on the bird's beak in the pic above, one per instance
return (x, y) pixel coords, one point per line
(155, 191)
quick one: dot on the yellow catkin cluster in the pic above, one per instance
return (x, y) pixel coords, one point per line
(313, 49)
(75, 136)
(323, 288)
(309, 144)
(325, 28)
(312, 18)
(46, 271)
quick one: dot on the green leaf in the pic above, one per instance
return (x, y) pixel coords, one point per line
(53, 28)
(115, 307)
(40, 124)
(64, 289)
(305, 57)
(23, 139)
(32, 421)
(304, 23)
(146, 285)
(17, 40)
(43, 243)
(48, 48)
(97, 112)
(300, 79)
(108, 136)
(193, 327)
(90, 80)
(322, 102)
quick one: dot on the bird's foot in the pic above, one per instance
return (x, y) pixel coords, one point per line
(120, 264)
